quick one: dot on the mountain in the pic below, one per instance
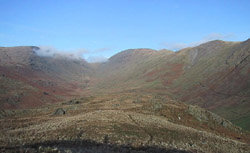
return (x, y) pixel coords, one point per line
(218, 79)
(25, 76)
(127, 69)
(140, 100)
(214, 75)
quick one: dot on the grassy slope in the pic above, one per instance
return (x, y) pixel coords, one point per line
(127, 118)
(211, 75)
(193, 75)
(222, 72)
(26, 76)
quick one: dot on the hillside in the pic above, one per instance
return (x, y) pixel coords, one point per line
(214, 75)
(25, 76)
(122, 122)
(140, 100)
(126, 69)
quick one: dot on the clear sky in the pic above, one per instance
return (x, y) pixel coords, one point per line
(104, 27)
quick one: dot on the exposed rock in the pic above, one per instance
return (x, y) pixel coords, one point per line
(204, 116)
(75, 101)
(14, 99)
(45, 93)
(157, 106)
(226, 123)
(59, 111)
(198, 113)
(115, 105)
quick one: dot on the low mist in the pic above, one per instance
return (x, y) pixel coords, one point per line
(48, 51)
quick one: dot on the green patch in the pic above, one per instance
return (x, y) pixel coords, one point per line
(238, 115)
(243, 122)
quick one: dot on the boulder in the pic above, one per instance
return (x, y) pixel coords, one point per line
(59, 111)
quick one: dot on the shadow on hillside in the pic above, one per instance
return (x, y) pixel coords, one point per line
(85, 146)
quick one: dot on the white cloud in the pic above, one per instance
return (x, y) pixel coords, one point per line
(214, 36)
(210, 37)
(49, 51)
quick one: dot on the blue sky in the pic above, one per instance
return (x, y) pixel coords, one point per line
(101, 28)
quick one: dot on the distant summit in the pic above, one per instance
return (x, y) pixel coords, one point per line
(213, 75)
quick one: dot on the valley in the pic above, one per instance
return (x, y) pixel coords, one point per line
(196, 99)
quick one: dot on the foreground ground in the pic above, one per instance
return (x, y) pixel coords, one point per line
(122, 122)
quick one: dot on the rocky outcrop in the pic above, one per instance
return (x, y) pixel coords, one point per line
(205, 116)
(59, 111)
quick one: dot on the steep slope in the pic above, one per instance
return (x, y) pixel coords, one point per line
(131, 121)
(132, 103)
(218, 79)
(127, 69)
(25, 76)
(214, 75)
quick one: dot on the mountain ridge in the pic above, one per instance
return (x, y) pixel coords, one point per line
(212, 75)
(140, 100)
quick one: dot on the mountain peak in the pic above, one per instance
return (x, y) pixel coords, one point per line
(135, 95)
(212, 43)
(166, 50)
